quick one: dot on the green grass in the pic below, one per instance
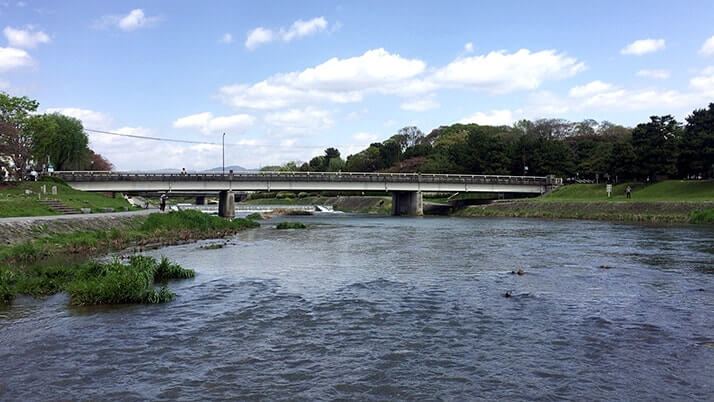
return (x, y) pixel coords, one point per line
(96, 283)
(254, 216)
(14, 201)
(668, 190)
(194, 220)
(291, 225)
(702, 217)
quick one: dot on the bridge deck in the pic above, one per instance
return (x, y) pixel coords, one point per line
(278, 181)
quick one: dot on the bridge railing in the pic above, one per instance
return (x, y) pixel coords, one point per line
(308, 176)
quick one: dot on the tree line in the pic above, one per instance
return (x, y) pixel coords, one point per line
(31, 141)
(589, 150)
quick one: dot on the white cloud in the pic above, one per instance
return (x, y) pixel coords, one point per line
(134, 20)
(226, 38)
(501, 72)
(12, 59)
(90, 119)
(206, 123)
(336, 80)
(704, 82)
(656, 74)
(365, 137)
(420, 105)
(298, 29)
(590, 88)
(707, 48)
(257, 37)
(27, 39)
(469, 47)
(502, 117)
(643, 46)
(299, 121)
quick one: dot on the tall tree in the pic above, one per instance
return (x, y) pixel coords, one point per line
(697, 145)
(15, 141)
(62, 138)
(655, 146)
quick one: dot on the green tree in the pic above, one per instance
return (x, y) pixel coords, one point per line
(655, 146)
(15, 140)
(62, 138)
(696, 148)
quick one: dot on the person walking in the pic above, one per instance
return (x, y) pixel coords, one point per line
(628, 192)
(162, 204)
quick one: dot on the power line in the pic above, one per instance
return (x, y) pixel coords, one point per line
(144, 137)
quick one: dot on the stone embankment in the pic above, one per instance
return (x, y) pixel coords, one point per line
(625, 211)
(19, 230)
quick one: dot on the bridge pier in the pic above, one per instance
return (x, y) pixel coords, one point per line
(407, 203)
(226, 204)
(201, 200)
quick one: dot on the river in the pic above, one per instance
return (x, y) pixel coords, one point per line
(365, 307)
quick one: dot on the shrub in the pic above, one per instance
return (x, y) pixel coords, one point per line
(284, 195)
(291, 225)
(254, 216)
(702, 216)
(7, 282)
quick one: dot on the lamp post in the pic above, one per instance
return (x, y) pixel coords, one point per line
(223, 152)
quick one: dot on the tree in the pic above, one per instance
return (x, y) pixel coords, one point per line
(655, 146)
(15, 141)
(332, 153)
(100, 163)
(62, 138)
(412, 135)
(696, 148)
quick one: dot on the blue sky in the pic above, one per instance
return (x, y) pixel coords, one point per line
(284, 80)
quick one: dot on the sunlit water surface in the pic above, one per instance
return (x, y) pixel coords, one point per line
(362, 307)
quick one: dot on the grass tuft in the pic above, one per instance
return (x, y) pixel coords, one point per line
(705, 216)
(291, 225)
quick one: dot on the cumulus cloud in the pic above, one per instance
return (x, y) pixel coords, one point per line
(13, 59)
(25, 38)
(207, 123)
(707, 48)
(336, 80)
(501, 72)
(643, 46)
(298, 29)
(420, 104)
(590, 88)
(704, 81)
(135, 19)
(226, 38)
(305, 121)
(656, 74)
(90, 119)
(503, 117)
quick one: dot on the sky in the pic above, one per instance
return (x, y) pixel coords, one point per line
(285, 80)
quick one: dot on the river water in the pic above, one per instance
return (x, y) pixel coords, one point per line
(362, 307)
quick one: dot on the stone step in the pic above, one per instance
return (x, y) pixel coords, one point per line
(59, 207)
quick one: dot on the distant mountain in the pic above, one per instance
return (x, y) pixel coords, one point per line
(235, 168)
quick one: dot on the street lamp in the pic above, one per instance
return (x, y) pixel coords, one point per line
(223, 147)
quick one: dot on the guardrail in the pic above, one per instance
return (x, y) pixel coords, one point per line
(89, 176)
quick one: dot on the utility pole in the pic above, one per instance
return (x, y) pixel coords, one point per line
(223, 147)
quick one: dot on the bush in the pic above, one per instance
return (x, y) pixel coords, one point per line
(291, 225)
(254, 216)
(284, 195)
(115, 283)
(7, 282)
(303, 194)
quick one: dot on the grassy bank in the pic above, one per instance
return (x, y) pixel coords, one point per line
(15, 201)
(44, 266)
(668, 190)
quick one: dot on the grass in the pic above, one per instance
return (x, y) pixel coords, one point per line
(15, 202)
(254, 216)
(668, 190)
(702, 217)
(168, 228)
(291, 225)
(96, 283)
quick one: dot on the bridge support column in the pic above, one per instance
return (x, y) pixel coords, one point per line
(407, 203)
(201, 200)
(226, 204)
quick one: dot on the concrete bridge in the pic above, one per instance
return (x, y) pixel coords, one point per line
(406, 188)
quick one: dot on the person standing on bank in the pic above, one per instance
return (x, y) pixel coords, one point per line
(162, 205)
(628, 192)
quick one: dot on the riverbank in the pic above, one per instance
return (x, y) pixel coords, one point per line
(44, 264)
(362, 204)
(621, 211)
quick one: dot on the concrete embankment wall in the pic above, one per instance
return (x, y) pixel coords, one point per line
(666, 212)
